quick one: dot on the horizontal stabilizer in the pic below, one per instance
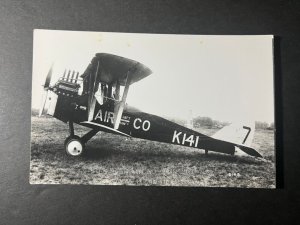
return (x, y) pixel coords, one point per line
(250, 151)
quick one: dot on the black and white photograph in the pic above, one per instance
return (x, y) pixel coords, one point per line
(152, 109)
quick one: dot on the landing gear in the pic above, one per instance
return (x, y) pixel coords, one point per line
(75, 145)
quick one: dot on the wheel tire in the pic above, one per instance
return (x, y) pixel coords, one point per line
(66, 141)
(74, 146)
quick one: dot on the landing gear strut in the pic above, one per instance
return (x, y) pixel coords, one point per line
(75, 145)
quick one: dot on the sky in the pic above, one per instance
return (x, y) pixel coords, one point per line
(228, 78)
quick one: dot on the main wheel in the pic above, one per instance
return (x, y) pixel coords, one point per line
(74, 146)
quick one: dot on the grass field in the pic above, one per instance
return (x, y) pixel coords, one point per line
(116, 160)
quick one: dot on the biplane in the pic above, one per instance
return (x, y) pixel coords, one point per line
(97, 100)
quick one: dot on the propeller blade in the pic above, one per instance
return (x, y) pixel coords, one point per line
(42, 106)
(48, 78)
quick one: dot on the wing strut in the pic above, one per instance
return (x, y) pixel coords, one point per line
(92, 102)
(120, 106)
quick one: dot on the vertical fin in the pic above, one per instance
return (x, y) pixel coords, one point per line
(239, 134)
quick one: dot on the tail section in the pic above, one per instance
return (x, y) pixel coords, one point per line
(236, 133)
(240, 135)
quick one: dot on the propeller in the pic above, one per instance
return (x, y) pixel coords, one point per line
(45, 92)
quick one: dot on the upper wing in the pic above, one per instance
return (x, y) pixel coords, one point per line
(113, 68)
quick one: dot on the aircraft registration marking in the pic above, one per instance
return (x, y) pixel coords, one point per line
(182, 138)
(138, 124)
(108, 117)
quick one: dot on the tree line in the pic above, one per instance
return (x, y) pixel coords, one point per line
(205, 121)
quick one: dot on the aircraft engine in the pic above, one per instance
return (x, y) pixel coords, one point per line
(61, 94)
